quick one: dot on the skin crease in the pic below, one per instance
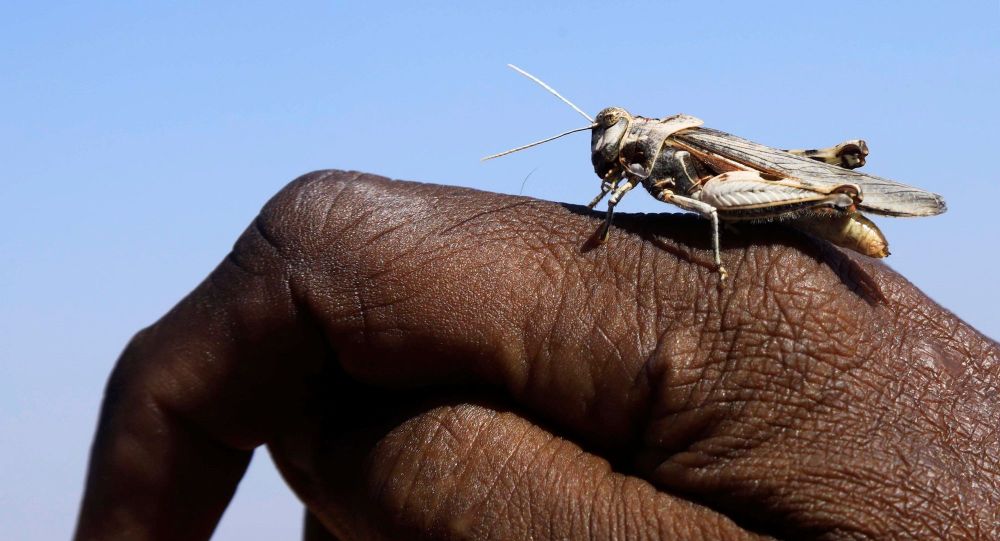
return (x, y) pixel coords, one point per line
(433, 362)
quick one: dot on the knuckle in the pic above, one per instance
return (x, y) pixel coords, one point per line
(322, 219)
(120, 380)
(423, 456)
(132, 358)
(468, 470)
(134, 380)
(294, 220)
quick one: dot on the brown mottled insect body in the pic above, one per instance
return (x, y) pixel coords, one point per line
(723, 177)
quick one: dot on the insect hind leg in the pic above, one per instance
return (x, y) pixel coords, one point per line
(849, 154)
(707, 211)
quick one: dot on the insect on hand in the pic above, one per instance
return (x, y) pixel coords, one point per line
(724, 177)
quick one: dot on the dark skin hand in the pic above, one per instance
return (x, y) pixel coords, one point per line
(435, 362)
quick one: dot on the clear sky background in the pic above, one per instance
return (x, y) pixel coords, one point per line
(138, 139)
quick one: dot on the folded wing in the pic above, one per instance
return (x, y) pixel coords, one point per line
(878, 195)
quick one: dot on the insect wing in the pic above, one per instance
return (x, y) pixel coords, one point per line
(879, 195)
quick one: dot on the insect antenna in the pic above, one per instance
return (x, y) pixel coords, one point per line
(536, 143)
(550, 89)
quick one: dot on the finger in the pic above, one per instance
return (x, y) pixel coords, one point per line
(377, 270)
(474, 472)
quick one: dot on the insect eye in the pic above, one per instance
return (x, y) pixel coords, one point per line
(609, 117)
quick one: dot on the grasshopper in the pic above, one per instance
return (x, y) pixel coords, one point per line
(726, 178)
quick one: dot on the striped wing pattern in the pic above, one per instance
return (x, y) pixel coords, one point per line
(879, 195)
(755, 193)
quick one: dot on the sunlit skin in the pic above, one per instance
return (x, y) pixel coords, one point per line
(437, 362)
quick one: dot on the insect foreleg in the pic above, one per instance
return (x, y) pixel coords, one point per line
(606, 187)
(615, 197)
(849, 154)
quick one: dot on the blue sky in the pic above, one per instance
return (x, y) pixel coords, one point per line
(137, 140)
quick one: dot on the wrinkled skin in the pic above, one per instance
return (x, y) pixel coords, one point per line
(435, 362)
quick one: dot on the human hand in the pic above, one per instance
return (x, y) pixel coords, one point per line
(434, 361)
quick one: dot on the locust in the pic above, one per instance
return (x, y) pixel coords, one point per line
(726, 178)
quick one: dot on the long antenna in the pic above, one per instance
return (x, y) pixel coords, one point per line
(529, 145)
(550, 89)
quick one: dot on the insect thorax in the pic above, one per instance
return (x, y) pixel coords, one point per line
(676, 171)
